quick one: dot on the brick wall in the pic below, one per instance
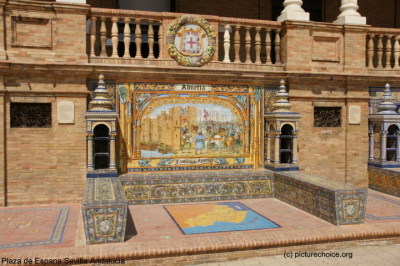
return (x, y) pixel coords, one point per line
(46, 165)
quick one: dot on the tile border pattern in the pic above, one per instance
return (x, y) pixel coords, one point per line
(57, 233)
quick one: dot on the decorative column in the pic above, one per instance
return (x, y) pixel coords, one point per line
(349, 14)
(293, 11)
(90, 165)
(371, 145)
(383, 145)
(295, 154)
(268, 158)
(277, 150)
(112, 152)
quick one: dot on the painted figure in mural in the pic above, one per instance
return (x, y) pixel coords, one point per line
(217, 142)
(199, 140)
(122, 93)
(187, 141)
(230, 144)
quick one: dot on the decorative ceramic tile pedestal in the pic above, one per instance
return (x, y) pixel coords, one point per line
(335, 202)
(104, 211)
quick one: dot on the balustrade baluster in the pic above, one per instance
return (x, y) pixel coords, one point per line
(92, 32)
(370, 50)
(160, 39)
(138, 39)
(380, 51)
(237, 43)
(151, 39)
(227, 44)
(114, 36)
(103, 36)
(278, 47)
(248, 44)
(268, 46)
(388, 50)
(258, 45)
(396, 52)
(127, 37)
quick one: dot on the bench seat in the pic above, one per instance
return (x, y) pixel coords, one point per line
(335, 202)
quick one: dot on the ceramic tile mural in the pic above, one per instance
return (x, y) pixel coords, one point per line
(187, 125)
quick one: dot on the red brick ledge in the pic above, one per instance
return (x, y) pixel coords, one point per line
(131, 251)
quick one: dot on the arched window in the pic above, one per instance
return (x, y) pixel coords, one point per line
(391, 145)
(286, 144)
(101, 147)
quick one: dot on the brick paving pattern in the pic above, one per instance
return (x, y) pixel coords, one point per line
(153, 238)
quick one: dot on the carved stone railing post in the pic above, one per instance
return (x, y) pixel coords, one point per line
(370, 50)
(268, 46)
(248, 44)
(92, 32)
(151, 39)
(114, 36)
(127, 37)
(237, 43)
(138, 39)
(258, 45)
(380, 51)
(103, 36)
(396, 53)
(388, 50)
(160, 30)
(227, 44)
(278, 46)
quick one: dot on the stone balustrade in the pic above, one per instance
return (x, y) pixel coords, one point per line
(130, 37)
(383, 49)
(250, 41)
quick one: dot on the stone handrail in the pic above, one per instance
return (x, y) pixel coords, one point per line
(383, 48)
(119, 36)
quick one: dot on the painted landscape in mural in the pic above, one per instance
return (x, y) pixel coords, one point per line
(191, 130)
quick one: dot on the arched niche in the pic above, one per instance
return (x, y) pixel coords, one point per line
(101, 146)
(392, 143)
(286, 144)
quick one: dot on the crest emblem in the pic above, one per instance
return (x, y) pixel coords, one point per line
(191, 41)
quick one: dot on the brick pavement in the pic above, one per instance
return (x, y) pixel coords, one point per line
(154, 239)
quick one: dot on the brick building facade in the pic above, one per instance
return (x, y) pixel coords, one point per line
(50, 53)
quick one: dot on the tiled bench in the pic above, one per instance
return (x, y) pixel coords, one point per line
(104, 211)
(187, 186)
(335, 202)
(384, 180)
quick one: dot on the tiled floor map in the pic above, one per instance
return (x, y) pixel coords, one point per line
(24, 227)
(217, 217)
